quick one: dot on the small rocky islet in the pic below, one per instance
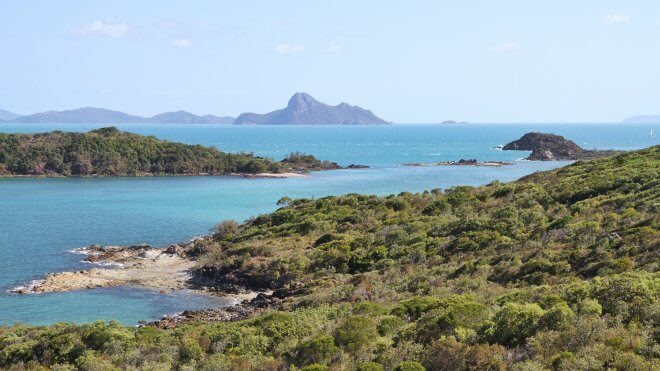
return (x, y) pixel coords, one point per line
(461, 162)
(552, 147)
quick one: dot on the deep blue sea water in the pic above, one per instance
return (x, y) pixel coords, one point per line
(41, 220)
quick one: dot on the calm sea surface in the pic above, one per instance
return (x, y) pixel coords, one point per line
(41, 220)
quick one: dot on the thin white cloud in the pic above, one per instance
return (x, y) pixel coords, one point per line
(182, 42)
(333, 49)
(508, 46)
(108, 27)
(287, 49)
(616, 18)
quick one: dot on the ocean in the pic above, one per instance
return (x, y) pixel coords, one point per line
(42, 220)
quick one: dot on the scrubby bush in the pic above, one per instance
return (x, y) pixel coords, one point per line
(317, 350)
(356, 333)
(558, 270)
(410, 366)
(514, 323)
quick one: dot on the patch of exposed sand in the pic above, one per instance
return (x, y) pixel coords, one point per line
(275, 175)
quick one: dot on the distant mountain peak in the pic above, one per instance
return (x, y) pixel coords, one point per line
(301, 102)
(303, 109)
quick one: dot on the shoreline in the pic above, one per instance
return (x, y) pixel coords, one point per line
(139, 265)
(160, 269)
(149, 175)
(461, 163)
(164, 270)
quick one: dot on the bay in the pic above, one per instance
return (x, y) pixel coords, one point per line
(42, 220)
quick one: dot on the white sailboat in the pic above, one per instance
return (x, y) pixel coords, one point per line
(651, 134)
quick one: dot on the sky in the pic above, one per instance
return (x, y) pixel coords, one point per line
(408, 61)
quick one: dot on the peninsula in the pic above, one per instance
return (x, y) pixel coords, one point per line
(111, 152)
(557, 270)
(551, 147)
(303, 109)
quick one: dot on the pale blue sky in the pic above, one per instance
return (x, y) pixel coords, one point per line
(408, 61)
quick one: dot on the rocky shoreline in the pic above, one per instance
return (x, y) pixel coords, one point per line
(462, 162)
(272, 175)
(138, 265)
(242, 310)
(161, 269)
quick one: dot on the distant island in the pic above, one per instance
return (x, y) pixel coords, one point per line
(6, 115)
(643, 119)
(454, 122)
(111, 152)
(91, 115)
(552, 147)
(303, 109)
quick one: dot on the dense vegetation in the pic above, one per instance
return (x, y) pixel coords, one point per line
(558, 270)
(110, 152)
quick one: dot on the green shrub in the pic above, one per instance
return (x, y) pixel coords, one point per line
(315, 367)
(410, 366)
(415, 307)
(628, 295)
(356, 333)
(317, 350)
(371, 366)
(516, 322)
(389, 325)
(368, 308)
(558, 317)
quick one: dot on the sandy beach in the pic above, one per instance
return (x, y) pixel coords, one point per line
(274, 175)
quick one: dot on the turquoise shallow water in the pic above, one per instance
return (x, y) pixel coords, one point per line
(41, 220)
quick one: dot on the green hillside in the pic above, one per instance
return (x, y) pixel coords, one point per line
(555, 271)
(111, 152)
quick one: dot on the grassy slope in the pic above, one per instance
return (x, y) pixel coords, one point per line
(557, 270)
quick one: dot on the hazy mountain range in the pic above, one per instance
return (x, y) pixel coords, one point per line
(301, 110)
(6, 115)
(105, 116)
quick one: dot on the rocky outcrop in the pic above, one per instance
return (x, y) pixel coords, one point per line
(461, 162)
(240, 311)
(552, 147)
(545, 147)
(138, 265)
(225, 314)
